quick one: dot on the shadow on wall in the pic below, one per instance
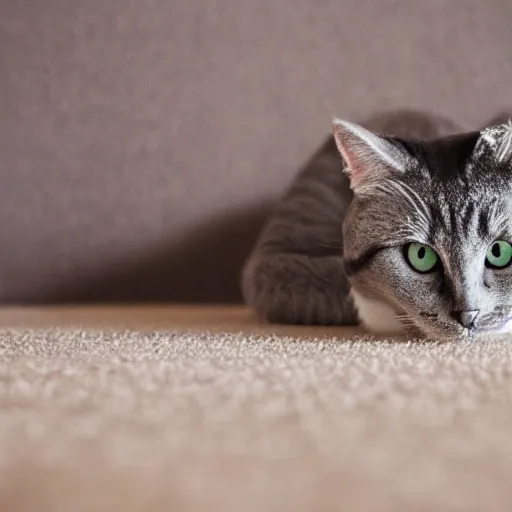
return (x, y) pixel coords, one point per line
(202, 267)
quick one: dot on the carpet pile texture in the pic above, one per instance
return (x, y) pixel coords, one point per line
(205, 409)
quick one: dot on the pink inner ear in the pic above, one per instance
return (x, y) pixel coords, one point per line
(357, 167)
(368, 156)
(362, 164)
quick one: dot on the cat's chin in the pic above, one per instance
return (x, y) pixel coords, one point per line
(480, 333)
(379, 317)
(466, 335)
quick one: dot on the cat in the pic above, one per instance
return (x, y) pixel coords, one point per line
(404, 226)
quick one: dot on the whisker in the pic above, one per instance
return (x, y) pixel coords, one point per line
(429, 315)
(405, 320)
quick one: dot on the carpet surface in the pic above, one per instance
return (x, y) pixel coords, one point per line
(141, 409)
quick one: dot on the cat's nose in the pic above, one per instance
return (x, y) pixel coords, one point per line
(465, 318)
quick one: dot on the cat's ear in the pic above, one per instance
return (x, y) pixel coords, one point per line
(369, 157)
(496, 141)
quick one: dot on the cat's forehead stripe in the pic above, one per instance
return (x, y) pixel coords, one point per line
(465, 221)
(483, 223)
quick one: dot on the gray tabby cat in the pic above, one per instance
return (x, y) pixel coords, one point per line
(414, 236)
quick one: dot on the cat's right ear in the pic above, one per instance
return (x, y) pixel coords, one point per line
(369, 157)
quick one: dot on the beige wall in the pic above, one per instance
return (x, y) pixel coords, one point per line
(141, 141)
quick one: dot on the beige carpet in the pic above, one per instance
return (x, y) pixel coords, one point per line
(157, 409)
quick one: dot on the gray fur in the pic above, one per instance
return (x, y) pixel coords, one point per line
(335, 231)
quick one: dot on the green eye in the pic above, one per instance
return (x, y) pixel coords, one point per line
(421, 257)
(499, 254)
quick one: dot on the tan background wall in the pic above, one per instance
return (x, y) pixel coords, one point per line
(140, 142)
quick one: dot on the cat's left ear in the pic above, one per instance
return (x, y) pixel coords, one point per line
(369, 157)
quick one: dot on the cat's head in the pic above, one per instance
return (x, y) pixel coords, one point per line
(429, 230)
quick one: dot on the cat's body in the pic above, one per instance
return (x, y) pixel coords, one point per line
(295, 274)
(332, 251)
